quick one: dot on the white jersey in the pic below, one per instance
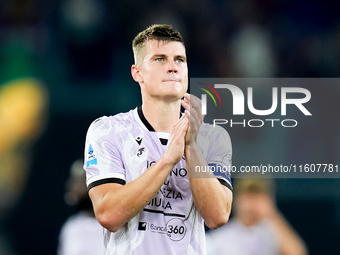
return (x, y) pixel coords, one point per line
(118, 150)
(234, 238)
(81, 234)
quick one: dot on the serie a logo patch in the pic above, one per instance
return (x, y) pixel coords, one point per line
(91, 157)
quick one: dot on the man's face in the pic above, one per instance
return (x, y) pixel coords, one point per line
(163, 70)
(252, 208)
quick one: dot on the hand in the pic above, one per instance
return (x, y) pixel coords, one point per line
(176, 146)
(193, 111)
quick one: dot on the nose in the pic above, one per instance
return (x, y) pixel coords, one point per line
(172, 68)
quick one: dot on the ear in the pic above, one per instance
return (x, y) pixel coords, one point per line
(136, 73)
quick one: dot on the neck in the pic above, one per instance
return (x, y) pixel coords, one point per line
(248, 221)
(161, 115)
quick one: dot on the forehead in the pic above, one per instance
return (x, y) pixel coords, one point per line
(154, 47)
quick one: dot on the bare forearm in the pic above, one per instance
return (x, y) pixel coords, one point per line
(115, 205)
(212, 200)
(290, 242)
(121, 204)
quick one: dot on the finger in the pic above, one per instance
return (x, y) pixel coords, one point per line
(188, 110)
(180, 124)
(194, 117)
(187, 95)
(186, 98)
(194, 124)
(178, 130)
(195, 114)
(195, 102)
(197, 105)
(184, 123)
(191, 112)
(187, 113)
(181, 119)
(185, 104)
(194, 105)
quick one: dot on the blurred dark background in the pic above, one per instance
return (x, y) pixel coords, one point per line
(79, 54)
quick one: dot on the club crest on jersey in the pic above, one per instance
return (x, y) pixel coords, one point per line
(139, 140)
(91, 157)
(140, 151)
(142, 226)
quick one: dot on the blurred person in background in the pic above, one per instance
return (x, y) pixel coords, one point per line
(81, 234)
(258, 227)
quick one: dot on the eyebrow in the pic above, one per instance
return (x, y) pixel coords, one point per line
(159, 56)
(166, 56)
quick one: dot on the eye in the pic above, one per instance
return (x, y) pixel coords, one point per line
(179, 60)
(159, 59)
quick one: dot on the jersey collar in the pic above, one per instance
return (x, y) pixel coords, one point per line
(145, 121)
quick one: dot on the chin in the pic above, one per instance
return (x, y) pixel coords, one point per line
(174, 92)
(173, 97)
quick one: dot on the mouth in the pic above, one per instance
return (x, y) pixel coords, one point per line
(172, 80)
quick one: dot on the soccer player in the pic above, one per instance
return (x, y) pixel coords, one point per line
(138, 163)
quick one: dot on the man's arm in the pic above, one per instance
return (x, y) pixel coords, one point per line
(212, 199)
(290, 242)
(114, 204)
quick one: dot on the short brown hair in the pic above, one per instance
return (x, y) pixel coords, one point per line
(254, 186)
(159, 32)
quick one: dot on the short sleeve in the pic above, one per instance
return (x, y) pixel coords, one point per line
(219, 155)
(102, 158)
